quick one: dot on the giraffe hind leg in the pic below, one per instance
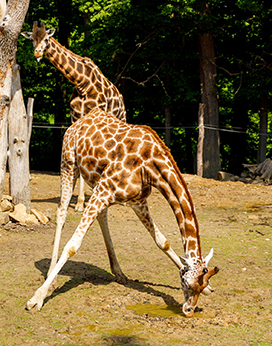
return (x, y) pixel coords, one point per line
(115, 268)
(81, 197)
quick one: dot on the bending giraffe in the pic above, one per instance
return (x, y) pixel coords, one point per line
(121, 162)
(92, 88)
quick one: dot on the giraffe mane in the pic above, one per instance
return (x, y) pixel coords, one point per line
(170, 157)
(76, 56)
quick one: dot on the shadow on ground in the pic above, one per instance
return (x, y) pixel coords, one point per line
(81, 272)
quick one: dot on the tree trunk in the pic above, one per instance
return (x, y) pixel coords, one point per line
(3, 6)
(10, 28)
(238, 141)
(211, 142)
(19, 132)
(261, 156)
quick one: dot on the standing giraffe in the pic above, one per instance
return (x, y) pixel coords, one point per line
(121, 162)
(92, 88)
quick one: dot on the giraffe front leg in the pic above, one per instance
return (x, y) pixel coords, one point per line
(95, 206)
(67, 187)
(36, 302)
(115, 268)
(81, 197)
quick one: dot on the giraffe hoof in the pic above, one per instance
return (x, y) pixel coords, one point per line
(121, 279)
(79, 208)
(54, 285)
(33, 306)
(35, 303)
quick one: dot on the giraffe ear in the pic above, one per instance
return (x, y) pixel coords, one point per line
(50, 32)
(27, 35)
(207, 258)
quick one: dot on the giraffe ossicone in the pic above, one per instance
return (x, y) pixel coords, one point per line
(121, 162)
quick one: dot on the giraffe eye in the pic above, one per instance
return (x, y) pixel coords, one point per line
(205, 270)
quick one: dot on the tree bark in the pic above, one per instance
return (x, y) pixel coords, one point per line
(261, 156)
(209, 97)
(10, 28)
(238, 141)
(19, 132)
(3, 6)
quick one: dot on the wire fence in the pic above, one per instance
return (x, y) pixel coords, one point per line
(163, 128)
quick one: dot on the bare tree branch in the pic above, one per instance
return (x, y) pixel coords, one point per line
(148, 79)
(138, 45)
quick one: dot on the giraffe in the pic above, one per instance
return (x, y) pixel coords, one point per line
(121, 162)
(92, 88)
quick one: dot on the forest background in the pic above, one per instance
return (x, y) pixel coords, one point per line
(150, 50)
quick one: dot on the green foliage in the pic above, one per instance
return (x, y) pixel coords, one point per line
(149, 50)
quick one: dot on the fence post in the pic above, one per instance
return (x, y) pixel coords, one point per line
(200, 140)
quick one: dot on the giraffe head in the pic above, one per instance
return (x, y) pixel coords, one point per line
(40, 38)
(195, 280)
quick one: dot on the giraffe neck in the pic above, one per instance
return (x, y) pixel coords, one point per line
(179, 198)
(172, 185)
(82, 72)
(180, 201)
(189, 227)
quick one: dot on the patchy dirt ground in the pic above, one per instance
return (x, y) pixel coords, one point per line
(90, 308)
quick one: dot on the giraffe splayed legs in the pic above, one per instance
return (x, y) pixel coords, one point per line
(121, 162)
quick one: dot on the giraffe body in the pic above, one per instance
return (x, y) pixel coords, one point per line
(121, 162)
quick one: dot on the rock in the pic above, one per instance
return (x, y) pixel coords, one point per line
(6, 205)
(224, 176)
(19, 214)
(4, 217)
(8, 197)
(243, 180)
(258, 181)
(31, 219)
(40, 216)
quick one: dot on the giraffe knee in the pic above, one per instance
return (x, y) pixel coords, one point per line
(162, 242)
(71, 251)
(166, 245)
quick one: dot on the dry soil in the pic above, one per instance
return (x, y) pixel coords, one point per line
(89, 308)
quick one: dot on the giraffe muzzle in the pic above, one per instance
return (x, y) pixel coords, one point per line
(38, 57)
